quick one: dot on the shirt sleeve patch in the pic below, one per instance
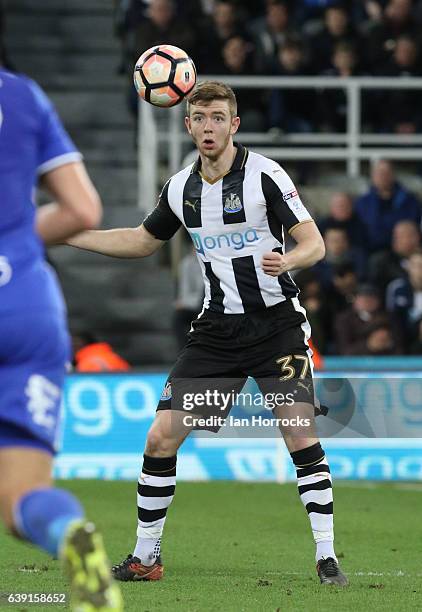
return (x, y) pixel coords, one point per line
(288, 195)
(296, 205)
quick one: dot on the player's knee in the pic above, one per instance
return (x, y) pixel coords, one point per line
(158, 445)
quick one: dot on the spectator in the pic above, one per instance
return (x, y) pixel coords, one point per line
(163, 26)
(387, 265)
(344, 60)
(364, 328)
(269, 33)
(343, 289)
(337, 27)
(381, 342)
(333, 102)
(360, 11)
(238, 61)
(226, 19)
(404, 297)
(338, 298)
(311, 10)
(401, 109)
(337, 252)
(292, 110)
(386, 203)
(190, 294)
(207, 6)
(405, 60)
(381, 38)
(93, 356)
(225, 23)
(367, 12)
(341, 214)
(127, 15)
(192, 10)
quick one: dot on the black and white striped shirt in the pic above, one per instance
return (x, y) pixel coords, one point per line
(233, 222)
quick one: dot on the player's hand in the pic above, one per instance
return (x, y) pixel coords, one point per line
(275, 264)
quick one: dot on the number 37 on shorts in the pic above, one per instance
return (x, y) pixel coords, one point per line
(295, 371)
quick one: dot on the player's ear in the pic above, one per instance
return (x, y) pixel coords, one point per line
(187, 124)
(235, 125)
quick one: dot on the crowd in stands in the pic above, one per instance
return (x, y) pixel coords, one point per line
(365, 297)
(291, 38)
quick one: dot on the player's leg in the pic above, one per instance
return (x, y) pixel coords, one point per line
(297, 426)
(195, 371)
(31, 379)
(156, 488)
(157, 482)
(52, 519)
(314, 486)
(313, 475)
(33, 361)
(29, 506)
(204, 364)
(288, 370)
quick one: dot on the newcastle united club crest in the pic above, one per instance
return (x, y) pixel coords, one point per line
(232, 204)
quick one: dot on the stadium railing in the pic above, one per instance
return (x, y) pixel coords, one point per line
(165, 126)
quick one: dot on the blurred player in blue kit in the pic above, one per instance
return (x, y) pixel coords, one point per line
(34, 342)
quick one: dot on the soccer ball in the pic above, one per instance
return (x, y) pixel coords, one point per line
(164, 75)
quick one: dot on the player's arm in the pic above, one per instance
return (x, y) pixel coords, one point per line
(287, 211)
(159, 226)
(309, 249)
(121, 242)
(77, 205)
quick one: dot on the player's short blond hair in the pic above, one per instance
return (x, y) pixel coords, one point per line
(208, 91)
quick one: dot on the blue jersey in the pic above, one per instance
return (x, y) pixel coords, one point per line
(34, 342)
(32, 142)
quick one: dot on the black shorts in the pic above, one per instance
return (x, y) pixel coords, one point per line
(269, 345)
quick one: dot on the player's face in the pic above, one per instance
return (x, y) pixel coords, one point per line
(212, 127)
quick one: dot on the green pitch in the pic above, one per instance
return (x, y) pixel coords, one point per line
(238, 546)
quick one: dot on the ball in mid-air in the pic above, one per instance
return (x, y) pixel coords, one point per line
(164, 75)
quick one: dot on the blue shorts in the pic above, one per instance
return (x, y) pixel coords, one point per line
(34, 352)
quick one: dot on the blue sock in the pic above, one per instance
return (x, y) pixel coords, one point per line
(42, 516)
